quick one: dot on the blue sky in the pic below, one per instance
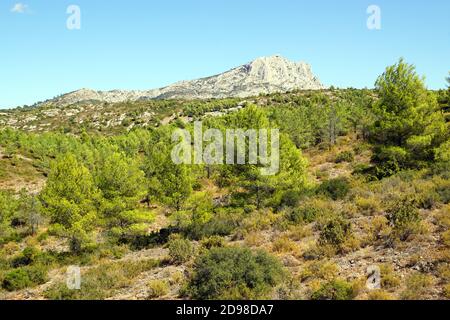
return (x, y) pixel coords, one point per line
(142, 44)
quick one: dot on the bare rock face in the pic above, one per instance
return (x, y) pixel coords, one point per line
(263, 75)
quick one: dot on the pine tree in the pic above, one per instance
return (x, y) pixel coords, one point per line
(168, 182)
(70, 199)
(123, 186)
(409, 125)
(29, 212)
(8, 206)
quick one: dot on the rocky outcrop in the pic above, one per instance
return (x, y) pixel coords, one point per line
(261, 76)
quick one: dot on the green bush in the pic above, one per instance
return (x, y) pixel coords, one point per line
(368, 205)
(388, 160)
(25, 277)
(443, 189)
(334, 290)
(25, 258)
(345, 156)
(157, 289)
(379, 295)
(234, 273)
(335, 188)
(223, 223)
(417, 286)
(290, 198)
(213, 242)
(37, 274)
(309, 211)
(405, 217)
(389, 279)
(16, 280)
(335, 231)
(180, 250)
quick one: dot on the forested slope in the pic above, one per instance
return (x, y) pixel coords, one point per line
(363, 182)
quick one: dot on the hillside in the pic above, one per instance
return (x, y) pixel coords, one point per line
(124, 116)
(358, 210)
(293, 244)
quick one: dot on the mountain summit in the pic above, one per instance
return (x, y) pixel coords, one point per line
(263, 75)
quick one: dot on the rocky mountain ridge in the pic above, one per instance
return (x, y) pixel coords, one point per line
(261, 76)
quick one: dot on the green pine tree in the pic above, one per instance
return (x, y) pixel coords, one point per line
(123, 187)
(70, 199)
(409, 124)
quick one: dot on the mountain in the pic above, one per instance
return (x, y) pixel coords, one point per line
(263, 75)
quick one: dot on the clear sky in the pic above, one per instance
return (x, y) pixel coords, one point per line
(143, 44)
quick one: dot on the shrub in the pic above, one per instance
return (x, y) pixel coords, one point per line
(324, 270)
(254, 239)
(212, 242)
(309, 211)
(37, 274)
(180, 250)
(303, 214)
(443, 217)
(447, 291)
(388, 160)
(234, 273)
(259, 220)
(345, 156)
(378, 229)
(404, 217)
(25, 277)
(388, 278)
(316, 252)
(368, 206)
(336, 188)
(157, 289)
(365, 170)
(16, 280)
(335, 232)
(290, 198)
(361, 148)
(334, 290)
(380, 295)
(425, 194)
(25, 258)
(284, 244)
(298, 233)
(177, 278)
(442, 187)
(417, 285)
(350, 244)
(444, 277)
(222, 223)
(446, 238)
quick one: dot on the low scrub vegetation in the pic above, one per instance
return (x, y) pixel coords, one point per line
(234, 273)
